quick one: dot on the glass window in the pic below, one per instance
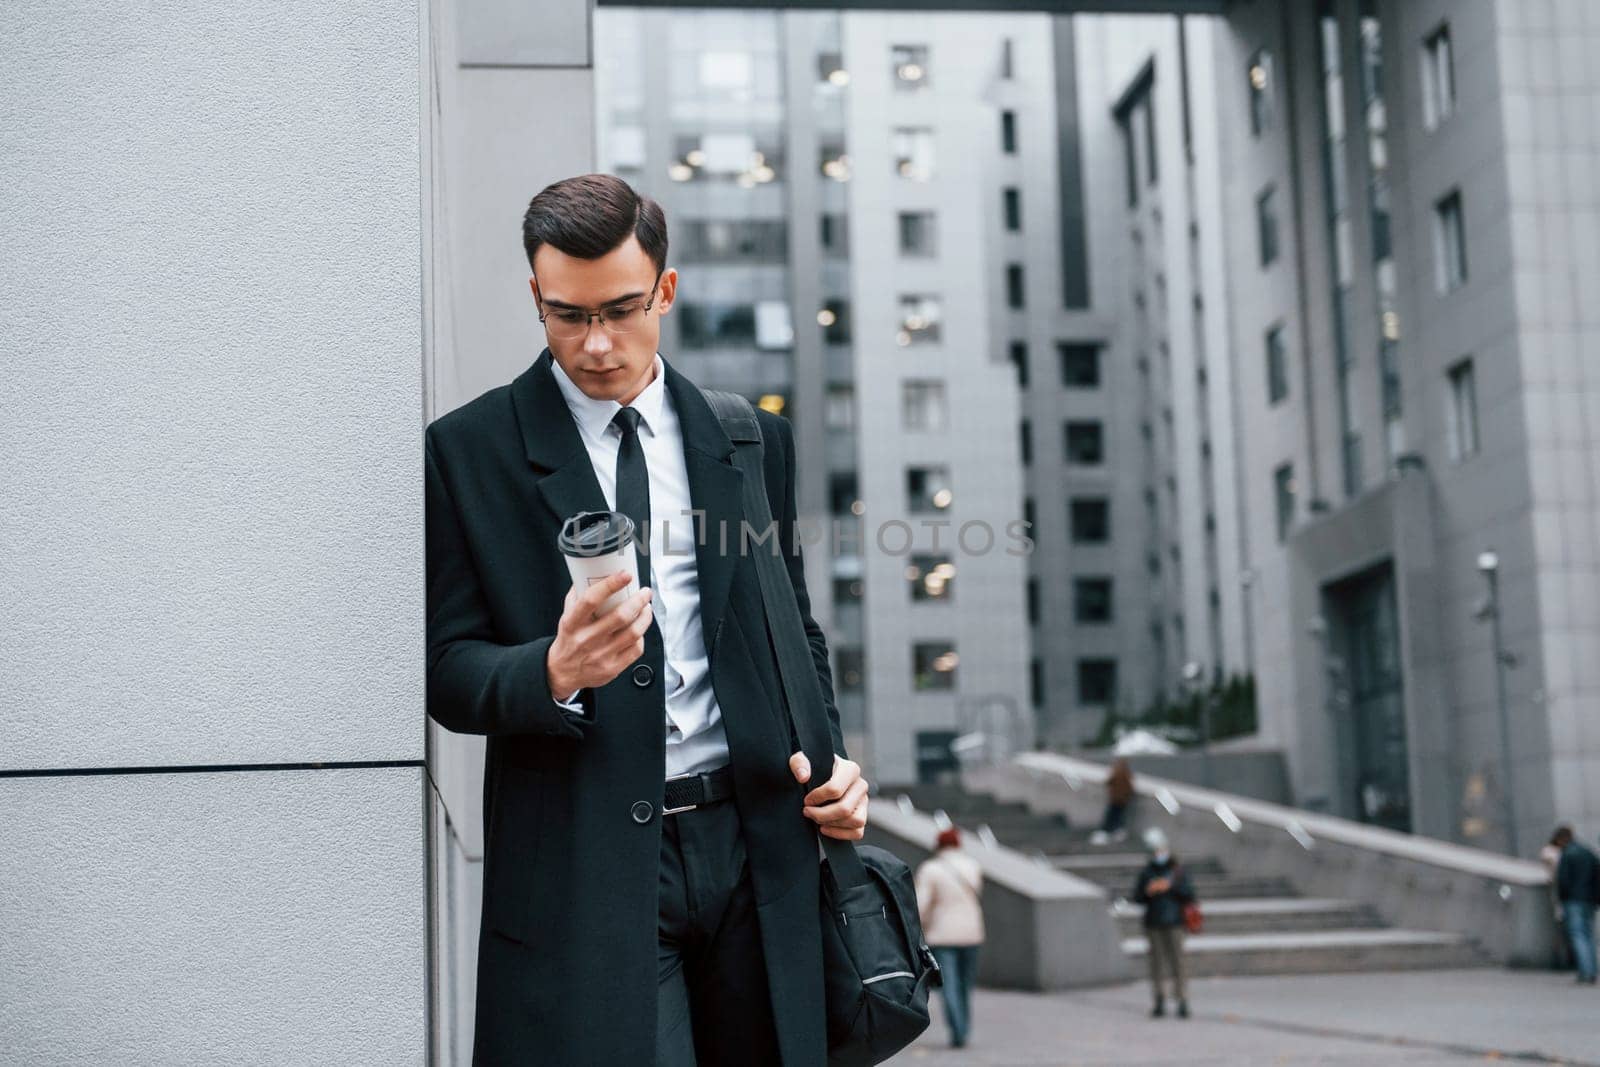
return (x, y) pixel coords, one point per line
(1080, 365)
(1283, 490)
(917, 235)
(919, 319)
(716, 325)
(1030, 515)
(732, 240)
(1012, 203)
(843, 492)
(933, 665)
(1267, 224)
(1130, 159)
(913, 153)
(1449, 243)
(1463, 411)
(1277, 366)
(909, 63)
(931, 577)
(1091, 600)
(1033, 601)
(922, 405)
(928, 489)
(848, 590)
(834, 318)
(1036, 681)
(835, 235)
(1019, 360)
(830, 69)
(1438, 78)
(851, 668)
(1008, 132)
(839, 409)
(1085, 442)
(1007, 59)
(1097, 681)
(1016, 295)
(1090, 520)
(1260, 80)
(1025, 442)
(832, 162)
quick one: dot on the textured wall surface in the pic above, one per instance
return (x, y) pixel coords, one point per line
(211, 499)
(269, 917)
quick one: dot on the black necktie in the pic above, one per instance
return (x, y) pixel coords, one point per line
(633, 485)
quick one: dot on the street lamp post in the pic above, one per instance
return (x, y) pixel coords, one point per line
(1489, 567)
(1193, 676)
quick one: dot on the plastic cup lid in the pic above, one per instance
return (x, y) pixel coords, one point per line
(595, 533)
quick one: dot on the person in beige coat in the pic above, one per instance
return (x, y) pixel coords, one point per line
(950, 902)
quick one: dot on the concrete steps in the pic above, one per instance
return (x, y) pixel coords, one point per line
(1319, 952)
(1254, 923)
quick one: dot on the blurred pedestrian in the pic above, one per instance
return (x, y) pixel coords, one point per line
(1578, 887)
(950, 901)
(1165, 890)
(1550, 857)
(1119, 794)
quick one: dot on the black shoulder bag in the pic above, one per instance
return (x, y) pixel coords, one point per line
(877, 969)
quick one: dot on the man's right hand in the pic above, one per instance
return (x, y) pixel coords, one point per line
(590, 651)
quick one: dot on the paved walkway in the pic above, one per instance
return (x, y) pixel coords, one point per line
(1419, 1019)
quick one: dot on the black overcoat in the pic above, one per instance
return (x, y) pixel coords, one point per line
(567, 950)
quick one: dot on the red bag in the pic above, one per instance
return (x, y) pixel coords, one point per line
(1192, 919)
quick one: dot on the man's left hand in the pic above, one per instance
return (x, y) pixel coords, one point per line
(839, 805)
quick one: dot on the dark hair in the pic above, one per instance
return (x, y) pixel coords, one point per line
(588, 216)
(1562, 837)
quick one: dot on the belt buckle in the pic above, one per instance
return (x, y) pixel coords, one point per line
(687, 807)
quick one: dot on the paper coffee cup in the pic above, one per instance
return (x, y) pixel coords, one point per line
(596, 545)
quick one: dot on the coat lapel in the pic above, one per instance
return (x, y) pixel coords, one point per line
(551, 441)
(716, 488)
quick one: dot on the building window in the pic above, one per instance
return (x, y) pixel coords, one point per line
(1091, 600)
(917, 235)
(1267, 224)
(733, 240)
(1030, 517)
(919, 320)
(1260, 80)
(1449, 243)
(848, 590)
(833, 162)
(1080, 365)
(922, 406)
(1438, 78)
(839, 408)
(1129, 158)
(834, 318)
(931, 577)
(910, 66)
(835, 235)
(851, 668)
(1149, 113)
(1019, 360)
(1033, 601)
(1277, 366)
(928, 489)
(1008, 132)
(716, 325)
(1283, 491)
(933, 665)
(1090, 520)
(1011, 200)
(1463, 411)
(1015, 295)
(1036, 681)
(913, 153)
(844, 494)
(1007, 59)
(1025, 431)
(1085, 443)
(1097, 681)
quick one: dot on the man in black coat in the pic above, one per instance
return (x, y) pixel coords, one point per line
(1578, 890)
(650, 851)
(1164, 888)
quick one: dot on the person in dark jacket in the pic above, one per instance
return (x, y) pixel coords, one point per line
(1578, 889)
(1164, 888)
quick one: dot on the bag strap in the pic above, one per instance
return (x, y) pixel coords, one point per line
(801, 690)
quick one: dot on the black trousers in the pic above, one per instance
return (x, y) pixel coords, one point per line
(713, 1005)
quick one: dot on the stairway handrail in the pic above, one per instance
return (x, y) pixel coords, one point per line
(1315, 825)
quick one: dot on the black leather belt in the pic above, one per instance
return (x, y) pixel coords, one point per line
(689, 791)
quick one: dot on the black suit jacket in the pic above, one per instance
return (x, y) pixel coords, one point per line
(567, 952)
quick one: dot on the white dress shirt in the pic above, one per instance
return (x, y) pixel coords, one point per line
(696, 739)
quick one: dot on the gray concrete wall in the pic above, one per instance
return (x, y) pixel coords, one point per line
(213, 527)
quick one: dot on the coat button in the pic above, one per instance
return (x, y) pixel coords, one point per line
(643, 676)
(642, 812)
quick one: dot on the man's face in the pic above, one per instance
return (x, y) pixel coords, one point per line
(606, 366)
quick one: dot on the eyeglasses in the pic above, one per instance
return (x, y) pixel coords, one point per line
(569, 324)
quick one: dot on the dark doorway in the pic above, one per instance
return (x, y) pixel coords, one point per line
(1368, 699)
